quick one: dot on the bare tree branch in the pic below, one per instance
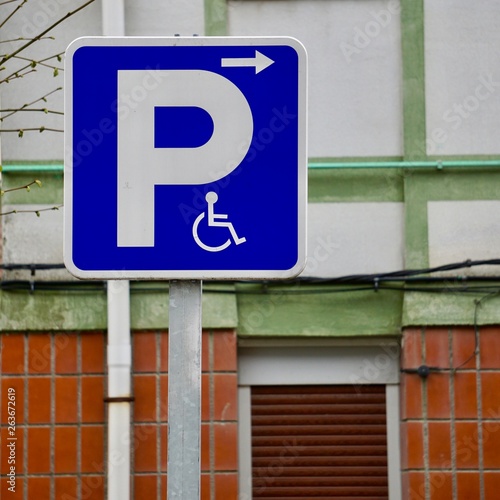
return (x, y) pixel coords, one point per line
(20, 131)
(12, 13)
(7, 1)
(17, 74)
(36, 212)
(23, 39)
(27, 105)
(24, 186)
(14, 75)
(43, 110)
(34, 62)
(43, 33)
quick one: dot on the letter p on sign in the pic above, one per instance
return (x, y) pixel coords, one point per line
(142, 166)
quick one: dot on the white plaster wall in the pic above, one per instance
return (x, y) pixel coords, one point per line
(354, 238)
(164, 17)
(28, 239)
(461, 230)
(462, 41)
(354, 54)
(33, 18)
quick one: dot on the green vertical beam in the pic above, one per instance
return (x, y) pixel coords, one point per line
(215, 17)
(414, 127)
(412, 34)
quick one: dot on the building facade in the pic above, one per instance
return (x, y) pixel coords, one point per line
(376, 372)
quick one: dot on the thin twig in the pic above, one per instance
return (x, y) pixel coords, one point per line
(10, 77)
(7, 1)
(21, 131)
(12, 13)
(36, 212)
(17, 74)
(19, 188)
(43, 33)
(24, 39)
(44, 110)
(34, 62)
(58, 55)
(27, 105)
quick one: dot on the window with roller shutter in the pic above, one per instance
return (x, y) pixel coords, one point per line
(319, 421)
(324, 441)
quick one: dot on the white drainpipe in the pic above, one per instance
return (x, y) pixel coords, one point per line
(119, 390)
(113, 18)
(119, 344)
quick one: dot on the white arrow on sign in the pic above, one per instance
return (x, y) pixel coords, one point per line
(260, 62)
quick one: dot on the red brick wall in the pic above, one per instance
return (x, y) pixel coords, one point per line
(450, 426)
(60, 383)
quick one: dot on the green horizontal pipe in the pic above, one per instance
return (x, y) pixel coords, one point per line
(406, 164)
(59, 167)
(32, 167)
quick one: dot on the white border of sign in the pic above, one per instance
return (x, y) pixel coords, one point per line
(186, 274)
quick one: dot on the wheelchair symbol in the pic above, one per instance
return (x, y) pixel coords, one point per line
(215, 220)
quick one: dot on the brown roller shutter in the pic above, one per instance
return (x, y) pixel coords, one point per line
(319, 442)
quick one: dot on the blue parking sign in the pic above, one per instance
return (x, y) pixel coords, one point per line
(185, 158)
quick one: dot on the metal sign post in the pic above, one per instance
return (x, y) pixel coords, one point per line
(184, 390)
(194, 150)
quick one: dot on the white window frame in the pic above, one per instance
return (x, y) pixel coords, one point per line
(317, 363)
